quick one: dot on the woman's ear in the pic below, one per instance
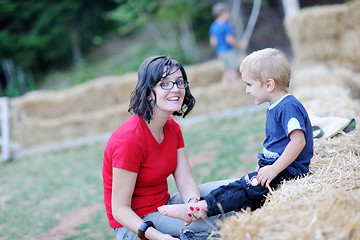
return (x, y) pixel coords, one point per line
(270, 84)
(151, 98)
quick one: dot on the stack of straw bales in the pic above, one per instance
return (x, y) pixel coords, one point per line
(326, 203)
(46, 117)
(323, 205)
(327, 33)
(100, 106)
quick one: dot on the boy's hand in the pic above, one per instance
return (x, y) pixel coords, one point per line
(243, 45)
(266, 175)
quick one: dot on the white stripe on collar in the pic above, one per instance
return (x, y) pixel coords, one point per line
(277, 102)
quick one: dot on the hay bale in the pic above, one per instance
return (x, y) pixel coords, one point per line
(43, 117)
(323, 205)
(350, 51)
(353, 15)
(327, 90)
(326, 33)
(219, 97)
(88, 97)
(99, 106)
(320, 50)
(317, 22)
(326, 203)
(330, 214)
(37, 131)
(205, 74)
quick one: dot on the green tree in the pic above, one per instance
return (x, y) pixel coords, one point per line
(41, 34)
(173, 24)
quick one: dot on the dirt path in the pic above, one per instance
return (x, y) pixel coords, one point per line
(66, 226)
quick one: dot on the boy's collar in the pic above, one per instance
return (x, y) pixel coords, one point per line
(276, 103)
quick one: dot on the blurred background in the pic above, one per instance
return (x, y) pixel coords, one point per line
(56, 45)
(68, 68)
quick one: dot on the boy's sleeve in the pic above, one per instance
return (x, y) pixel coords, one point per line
(229, 30)
(293, 119)
(211, 30)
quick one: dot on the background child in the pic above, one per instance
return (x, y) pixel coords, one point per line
(287, 148)
(223, 40)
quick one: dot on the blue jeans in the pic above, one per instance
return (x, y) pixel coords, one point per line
(242, 193)
(172, 226)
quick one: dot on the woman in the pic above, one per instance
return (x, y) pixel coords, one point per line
(145, 150)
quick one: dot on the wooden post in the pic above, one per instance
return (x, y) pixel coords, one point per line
(5, 131)
(291, 7)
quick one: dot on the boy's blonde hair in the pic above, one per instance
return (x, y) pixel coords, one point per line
(268, 63)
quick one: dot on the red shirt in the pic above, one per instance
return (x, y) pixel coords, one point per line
(132, 147)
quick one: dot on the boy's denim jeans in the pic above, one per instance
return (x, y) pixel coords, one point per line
(243, 193)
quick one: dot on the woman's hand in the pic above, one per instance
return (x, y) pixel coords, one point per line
(169, 237)
(195, 214)
(154, 234)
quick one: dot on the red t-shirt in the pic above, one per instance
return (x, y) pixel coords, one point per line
(132, 147)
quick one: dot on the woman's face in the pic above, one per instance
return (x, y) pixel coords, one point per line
(169, 101)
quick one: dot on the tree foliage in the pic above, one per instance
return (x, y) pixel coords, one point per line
(173, 24)
(37, 33)
(40, 34)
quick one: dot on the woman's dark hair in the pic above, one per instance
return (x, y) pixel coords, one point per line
(150, 72)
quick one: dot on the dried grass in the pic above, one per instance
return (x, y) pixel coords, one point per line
(326, 203)
(327, 33)
(99, 106)
(323, 205)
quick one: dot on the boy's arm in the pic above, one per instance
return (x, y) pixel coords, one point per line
(213, 41)
(230, 39)
(292, 150)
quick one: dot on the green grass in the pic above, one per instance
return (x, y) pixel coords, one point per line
(37, 192)
(233, 139)
(116, 62)
(118, 56)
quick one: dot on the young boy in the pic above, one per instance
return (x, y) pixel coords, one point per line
(287, 148)
(223, 40)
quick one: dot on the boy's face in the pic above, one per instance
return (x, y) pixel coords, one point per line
(225, 15)
(255, 88)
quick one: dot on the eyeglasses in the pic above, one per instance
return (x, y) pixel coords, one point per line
(167, 85)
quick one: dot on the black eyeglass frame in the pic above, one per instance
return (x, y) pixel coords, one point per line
(186, 84)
